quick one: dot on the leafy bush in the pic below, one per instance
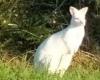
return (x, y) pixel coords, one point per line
(24, 24)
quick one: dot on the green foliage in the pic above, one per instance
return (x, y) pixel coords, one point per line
(24, 24)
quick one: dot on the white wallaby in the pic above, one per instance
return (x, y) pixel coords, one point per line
(56, 52)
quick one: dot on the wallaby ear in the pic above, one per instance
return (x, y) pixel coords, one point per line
(72, 10)
(84, 10)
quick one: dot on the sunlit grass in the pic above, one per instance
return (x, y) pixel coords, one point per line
(18, 68)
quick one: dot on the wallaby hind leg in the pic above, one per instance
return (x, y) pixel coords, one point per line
(64, 64)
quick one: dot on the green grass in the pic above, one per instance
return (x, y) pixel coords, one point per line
(21, 70)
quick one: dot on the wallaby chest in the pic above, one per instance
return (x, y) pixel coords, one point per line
(73, 37)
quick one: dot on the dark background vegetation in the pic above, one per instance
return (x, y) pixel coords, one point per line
(24, 24)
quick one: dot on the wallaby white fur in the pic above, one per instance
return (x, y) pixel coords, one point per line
(56, 52)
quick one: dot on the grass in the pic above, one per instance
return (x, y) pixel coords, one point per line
(17, 68)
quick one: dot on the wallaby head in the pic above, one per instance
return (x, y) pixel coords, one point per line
(78, 16)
